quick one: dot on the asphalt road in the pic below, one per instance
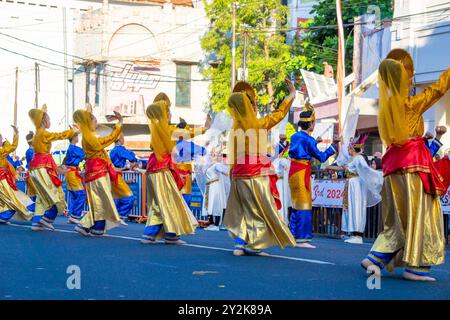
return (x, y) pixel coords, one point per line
(34, 266)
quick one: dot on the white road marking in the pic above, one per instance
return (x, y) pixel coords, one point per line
(190, 245)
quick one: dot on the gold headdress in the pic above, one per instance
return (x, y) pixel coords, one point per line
(36, 115)
(246, 88)
(307, 108)
(83, 120)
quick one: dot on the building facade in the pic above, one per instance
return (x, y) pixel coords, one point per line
(131, 53)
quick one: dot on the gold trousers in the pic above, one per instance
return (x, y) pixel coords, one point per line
(413, 221)
(166, 206)
(10, 199)
(252, 215)
(47, 194)
(101, 204)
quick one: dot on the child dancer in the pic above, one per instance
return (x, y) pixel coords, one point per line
(50, 198)
(75, 189)
(29, 156)
(99, 172)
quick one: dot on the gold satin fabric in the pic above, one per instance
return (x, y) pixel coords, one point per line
(400, 115)
(412, 220)
(73, 181)
(252, 215)
(122, 190)
(165, 205)
(31, 191)
(42, 141)
(9, 200)
(47, 194)
(6, 149)
(249, 135)
(301, 198)
(101, 204)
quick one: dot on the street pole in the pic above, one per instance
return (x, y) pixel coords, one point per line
(36, 84)
(15, 97)
(341, 64)
(244, 57)
(233, 46)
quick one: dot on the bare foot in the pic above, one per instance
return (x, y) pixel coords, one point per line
(305, 245)
(415, 277)
(73, 221)
(47, 225)
(37, 228)
(81, 231)
(146, 241)
(238, 252)
(175, 242)
(371, 267)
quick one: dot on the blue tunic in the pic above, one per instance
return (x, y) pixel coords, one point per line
(119, 156)
(304, 147)
(74, 155)
(188, 150)
(14, 163)
(29, 156)
(434, 146)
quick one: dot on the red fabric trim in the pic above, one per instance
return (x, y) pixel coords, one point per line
(45, 160)
(166, 163)
(97, 168)
(414, 156)
(253, 166)
(297, 166)
(8, 175)
(443, 167)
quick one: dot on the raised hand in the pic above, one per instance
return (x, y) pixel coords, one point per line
(291, 87)
(16, 130)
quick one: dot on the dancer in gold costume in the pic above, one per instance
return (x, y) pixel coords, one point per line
(252, 217)
(10, 203)
(413, 223)
(50, 198)
(98, 176)
(169, 216)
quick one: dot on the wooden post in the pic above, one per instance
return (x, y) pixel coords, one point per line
(233, 46)
(341, 63)
(15, 96)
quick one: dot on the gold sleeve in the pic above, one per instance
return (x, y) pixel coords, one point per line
(54, 136)
(106, 141)
(275, 117)
(10, 147)
(196, 131)
(424, 100)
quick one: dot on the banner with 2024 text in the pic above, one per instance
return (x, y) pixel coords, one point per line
(329, 193)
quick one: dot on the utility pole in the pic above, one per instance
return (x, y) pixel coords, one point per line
(66, 71)
(233, 46)
(341, 63)
(36, 84)
(15, 96)
(244, 57)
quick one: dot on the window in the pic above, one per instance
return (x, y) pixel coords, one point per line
(183, 89)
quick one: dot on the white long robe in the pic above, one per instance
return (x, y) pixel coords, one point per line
(363, 192)
(216, 177)
(281, 166)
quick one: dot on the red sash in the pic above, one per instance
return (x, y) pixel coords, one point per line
(297, 166)
(414, 156)
(97, 168)
(443, 167)
(166, 163)
(5, 173)
(252, 166)
(45, 160)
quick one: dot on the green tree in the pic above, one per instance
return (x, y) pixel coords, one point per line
(267, 51)
(320, 42)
